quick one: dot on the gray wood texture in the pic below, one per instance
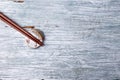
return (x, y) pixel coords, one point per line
(82, 40)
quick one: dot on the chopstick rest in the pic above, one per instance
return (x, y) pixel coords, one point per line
(19, 1)
(37, 33)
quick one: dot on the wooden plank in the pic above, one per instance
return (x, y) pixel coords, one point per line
(82, 40)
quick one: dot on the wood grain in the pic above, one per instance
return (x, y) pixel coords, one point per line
(82, 40)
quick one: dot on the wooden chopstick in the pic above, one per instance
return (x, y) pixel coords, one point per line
(19, 28)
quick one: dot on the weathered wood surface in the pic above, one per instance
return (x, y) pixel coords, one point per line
(82, 40)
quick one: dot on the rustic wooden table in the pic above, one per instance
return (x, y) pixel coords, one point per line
(82, 40)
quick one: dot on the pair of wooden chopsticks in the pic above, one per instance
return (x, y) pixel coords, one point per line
(19, 28)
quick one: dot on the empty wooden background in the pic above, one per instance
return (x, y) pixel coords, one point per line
(82, 40)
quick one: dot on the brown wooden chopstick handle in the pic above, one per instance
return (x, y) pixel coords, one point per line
(19, 28)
